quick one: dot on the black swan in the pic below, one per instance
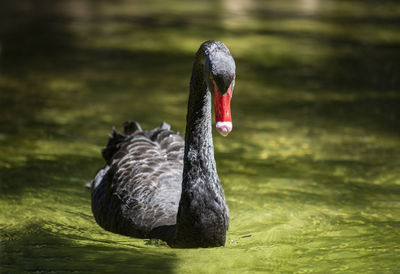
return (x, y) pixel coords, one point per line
(155, 184)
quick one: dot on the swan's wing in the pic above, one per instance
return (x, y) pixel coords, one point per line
(141, 185)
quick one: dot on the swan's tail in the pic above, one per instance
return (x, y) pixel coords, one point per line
(114, 142)
(117, 138)
(131, 127)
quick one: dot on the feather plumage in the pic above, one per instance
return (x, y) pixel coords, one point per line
(143, 167)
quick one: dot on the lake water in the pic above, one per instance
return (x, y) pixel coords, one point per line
(311, 170)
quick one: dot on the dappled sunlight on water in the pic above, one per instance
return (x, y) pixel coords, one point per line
(310, 170)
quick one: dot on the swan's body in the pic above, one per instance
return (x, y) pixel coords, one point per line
(155, 184)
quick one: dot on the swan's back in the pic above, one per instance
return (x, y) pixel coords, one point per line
(137, 193)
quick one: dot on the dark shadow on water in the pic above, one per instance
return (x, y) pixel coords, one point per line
(31, 32)
(36, 249)
(367, 66)
(111, 77)
(375, 114)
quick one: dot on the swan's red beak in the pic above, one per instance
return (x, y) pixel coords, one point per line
(222, 108)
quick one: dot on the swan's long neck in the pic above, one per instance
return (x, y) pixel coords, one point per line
(203, 215)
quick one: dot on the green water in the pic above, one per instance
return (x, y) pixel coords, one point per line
(311, 170)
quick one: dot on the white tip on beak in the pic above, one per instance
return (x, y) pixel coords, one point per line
(224, 128)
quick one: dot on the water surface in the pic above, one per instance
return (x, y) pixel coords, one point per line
(310, 171)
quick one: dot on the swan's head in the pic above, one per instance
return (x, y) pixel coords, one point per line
(219, 70)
